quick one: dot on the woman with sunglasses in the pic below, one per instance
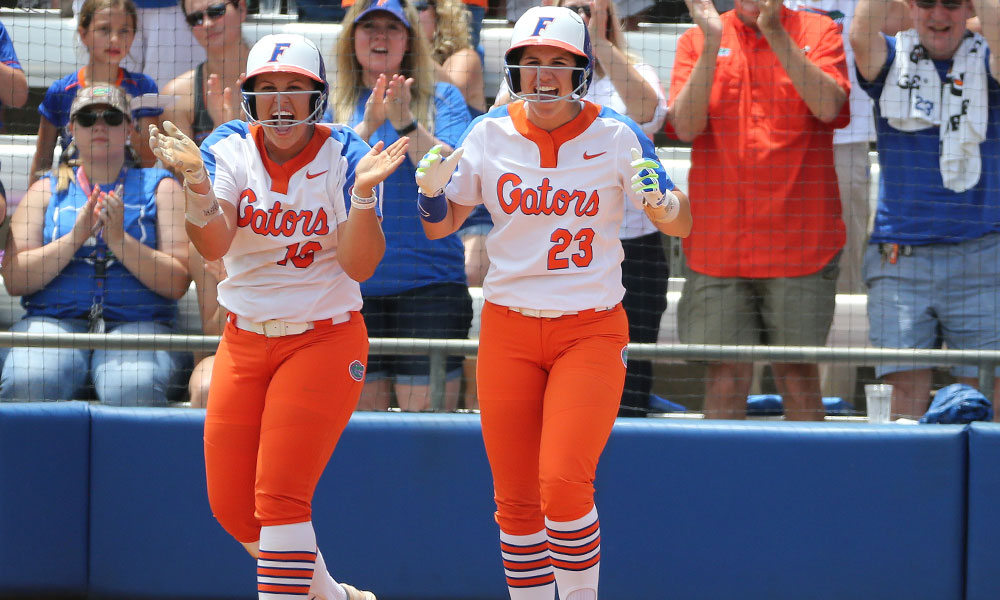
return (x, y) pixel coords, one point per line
(98, 245)
(555, 172)
(107, 29)
(203, 97)
(385, 90)
(292, 208)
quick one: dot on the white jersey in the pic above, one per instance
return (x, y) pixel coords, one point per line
(556, 199)
(282, 263)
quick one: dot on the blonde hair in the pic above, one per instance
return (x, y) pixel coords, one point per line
(90, 7)
(452, 31)
(616, 35)
(417, 63)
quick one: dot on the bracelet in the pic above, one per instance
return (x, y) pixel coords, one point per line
(666, 212)
(408, 129)
(365, 203)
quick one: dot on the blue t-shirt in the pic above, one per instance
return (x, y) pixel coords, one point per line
(59, 98)
(7, 54)
(411, 260)
(914, 206)
(71, 293)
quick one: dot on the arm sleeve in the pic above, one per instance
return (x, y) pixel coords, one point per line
(451, 117)
(7, 54)
(829, 56)
(146, 85)
(465, 186)
(354, 150)
(222, 168)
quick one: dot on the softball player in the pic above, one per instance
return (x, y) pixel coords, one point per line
(554, 173)
(292, 207)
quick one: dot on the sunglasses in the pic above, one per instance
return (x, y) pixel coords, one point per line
(215, 11)
(948, 4)
(112, 117)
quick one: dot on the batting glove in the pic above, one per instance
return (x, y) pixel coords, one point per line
(178, 152)
(662, 207)
(434, 171)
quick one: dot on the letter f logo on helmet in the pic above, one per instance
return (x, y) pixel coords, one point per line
(543, 22)
(279, 49)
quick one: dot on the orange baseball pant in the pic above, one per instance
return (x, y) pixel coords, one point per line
(276, 408)
(549, 391)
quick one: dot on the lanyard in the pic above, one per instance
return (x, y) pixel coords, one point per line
(101, 258)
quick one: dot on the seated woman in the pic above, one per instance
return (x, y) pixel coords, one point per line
(97, 245)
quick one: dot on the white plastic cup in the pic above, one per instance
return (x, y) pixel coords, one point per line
(879, 399)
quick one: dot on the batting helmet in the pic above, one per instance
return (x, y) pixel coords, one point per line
(285, 53)
(555, 26)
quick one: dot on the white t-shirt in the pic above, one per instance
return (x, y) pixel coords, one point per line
(556, 199)
(283, 263)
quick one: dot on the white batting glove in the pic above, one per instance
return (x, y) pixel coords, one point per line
(178, 152)
(433, 172)
(661, 207)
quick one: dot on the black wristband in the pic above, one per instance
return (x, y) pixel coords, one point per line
(408, 129)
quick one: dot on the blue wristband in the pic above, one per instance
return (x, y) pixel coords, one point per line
(432, 209)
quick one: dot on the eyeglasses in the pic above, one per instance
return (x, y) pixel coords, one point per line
(948, 4)
(583, 9)
(112, 117)
(214, 11)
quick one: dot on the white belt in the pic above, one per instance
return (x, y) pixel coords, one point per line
(552, 314)
(276, 328)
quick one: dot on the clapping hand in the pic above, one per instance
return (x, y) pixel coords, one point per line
(223, 103)
(111, 216)
(378, 164)
(178, 152)
(397, 101)
(706, 17)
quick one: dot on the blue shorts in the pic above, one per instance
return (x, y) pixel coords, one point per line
(437, 311)
(934, 294)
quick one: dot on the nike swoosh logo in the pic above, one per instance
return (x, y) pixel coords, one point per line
(590, 156)
(314, 175)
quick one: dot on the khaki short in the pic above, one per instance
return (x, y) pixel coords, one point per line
(780, 311)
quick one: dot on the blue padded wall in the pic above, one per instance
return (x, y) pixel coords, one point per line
(771, 510)
(984, 519)
(44, 458)
(152, 534)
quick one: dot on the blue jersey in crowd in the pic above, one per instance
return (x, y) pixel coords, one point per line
(411, 260)
(7, 54)
(71, 294)
(914, 206)
(59, 97)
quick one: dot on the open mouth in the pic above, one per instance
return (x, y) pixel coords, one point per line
(283, 119)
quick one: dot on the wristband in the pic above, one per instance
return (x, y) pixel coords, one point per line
(408, 129)
(363, 203)
(201, 217)
(667, 211)
(432, 209)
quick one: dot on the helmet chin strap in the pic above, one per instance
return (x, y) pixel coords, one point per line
(313, 117)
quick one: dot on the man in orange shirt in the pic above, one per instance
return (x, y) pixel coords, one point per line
(758, 91)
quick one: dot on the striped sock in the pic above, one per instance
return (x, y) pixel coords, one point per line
(527, 566)
(323, 583)
(286, 561)
(575, 548)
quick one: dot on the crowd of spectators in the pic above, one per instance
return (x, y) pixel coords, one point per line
(780, 103)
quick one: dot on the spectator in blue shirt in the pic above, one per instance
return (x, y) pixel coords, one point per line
(386, 89)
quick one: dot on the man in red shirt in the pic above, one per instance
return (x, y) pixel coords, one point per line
(758, 91)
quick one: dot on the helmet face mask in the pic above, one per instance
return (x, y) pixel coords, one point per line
(285, 53)
(557, 27)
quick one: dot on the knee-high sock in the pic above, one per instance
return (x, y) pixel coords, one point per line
(323, 583)
(575, 548)
(527, 566)
(286, 561)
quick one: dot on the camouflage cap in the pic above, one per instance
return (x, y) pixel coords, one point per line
(101, 93)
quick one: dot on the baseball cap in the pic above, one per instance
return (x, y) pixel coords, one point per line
(101, 93)
(393, 7)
